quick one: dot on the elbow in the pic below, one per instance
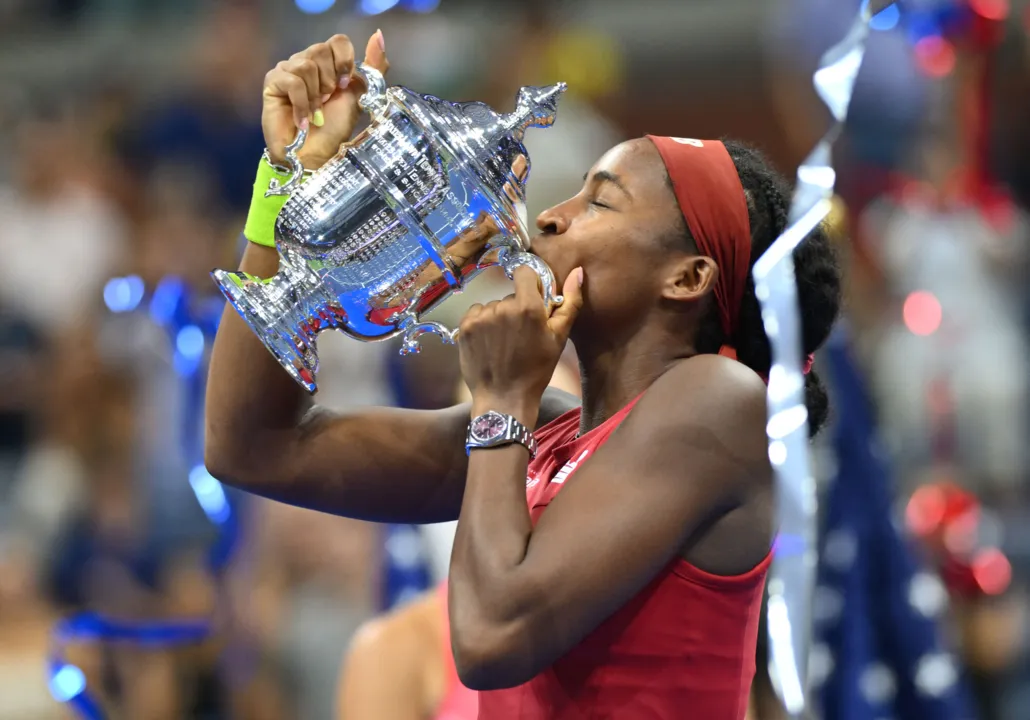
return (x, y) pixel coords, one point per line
(490, 658)
(220, 463)
(231, 465)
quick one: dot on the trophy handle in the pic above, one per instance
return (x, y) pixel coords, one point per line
(296, 167)
(412, 333)
(373, 101)
(510, 261)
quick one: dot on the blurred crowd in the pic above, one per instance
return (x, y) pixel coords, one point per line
(127, 170)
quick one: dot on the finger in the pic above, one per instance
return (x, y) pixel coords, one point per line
(527, 287)
(306, 70)
(375, 52)
(322, 55)
(343, 59)
(564, 316)
(282, 84)
(472, 312)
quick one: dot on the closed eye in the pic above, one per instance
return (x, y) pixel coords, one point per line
(600, 204)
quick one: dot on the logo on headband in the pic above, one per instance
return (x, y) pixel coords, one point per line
(689, 141)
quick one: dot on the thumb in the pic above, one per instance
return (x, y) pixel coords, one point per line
(564, 316)
(375, 52)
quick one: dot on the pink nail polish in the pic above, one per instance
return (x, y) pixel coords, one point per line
(579, 277)
(304, 124)
(344, 82)
(382, 41)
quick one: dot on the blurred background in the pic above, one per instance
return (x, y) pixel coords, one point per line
(129, 135)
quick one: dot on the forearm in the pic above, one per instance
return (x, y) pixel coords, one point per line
(250, 398)
(494, 530)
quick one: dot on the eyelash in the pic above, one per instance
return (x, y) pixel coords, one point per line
(600, 205)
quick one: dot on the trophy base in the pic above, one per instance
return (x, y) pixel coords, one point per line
(285, 323)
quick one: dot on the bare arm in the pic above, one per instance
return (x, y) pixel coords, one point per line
(522, 596)
(265, 436)
(262, 433)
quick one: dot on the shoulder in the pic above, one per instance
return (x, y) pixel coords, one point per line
(720, 391)
(404, 636)
(708, 408)
(393, 663)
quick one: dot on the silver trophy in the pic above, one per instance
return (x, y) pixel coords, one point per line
(407, 212)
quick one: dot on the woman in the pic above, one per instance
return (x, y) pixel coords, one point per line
(635, 590)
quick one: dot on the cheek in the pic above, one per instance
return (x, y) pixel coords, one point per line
(618, 281)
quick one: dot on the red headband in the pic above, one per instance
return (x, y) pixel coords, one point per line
(713, 203)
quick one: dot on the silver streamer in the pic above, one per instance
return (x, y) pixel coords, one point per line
(792, 577)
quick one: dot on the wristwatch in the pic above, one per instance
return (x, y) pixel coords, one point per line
(494, 429)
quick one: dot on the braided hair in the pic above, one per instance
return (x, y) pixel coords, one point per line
(815, 265)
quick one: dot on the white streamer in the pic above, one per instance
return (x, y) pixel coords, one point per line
(792, 577)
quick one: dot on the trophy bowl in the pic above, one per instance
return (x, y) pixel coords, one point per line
(406, 213)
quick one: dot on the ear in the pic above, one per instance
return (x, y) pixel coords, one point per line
(689, 278)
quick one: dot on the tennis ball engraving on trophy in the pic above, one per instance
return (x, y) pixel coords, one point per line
(408, 212)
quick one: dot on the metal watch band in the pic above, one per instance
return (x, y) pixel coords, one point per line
(494, 429)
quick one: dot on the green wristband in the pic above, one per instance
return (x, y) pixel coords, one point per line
(260, 227)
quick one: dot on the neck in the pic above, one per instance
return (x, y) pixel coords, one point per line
(613, 376)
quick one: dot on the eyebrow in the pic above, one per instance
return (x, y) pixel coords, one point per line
(605, 176)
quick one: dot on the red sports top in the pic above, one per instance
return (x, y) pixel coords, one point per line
(684, 647)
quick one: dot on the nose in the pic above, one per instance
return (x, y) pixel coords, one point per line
(552, 221)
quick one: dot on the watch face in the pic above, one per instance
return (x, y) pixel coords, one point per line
(490, 426)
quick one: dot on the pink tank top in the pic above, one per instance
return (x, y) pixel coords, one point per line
(459, 703)
(684, 647)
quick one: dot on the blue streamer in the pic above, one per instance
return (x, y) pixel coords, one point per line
(191, 325)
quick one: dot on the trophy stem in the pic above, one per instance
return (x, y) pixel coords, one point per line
(286, 312)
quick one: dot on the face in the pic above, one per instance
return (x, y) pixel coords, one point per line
(618, 229)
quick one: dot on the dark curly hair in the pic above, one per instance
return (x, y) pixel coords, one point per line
(818, 277)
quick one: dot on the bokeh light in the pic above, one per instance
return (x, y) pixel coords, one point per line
(67, 683)
(190, 342)
(123, 294)
(314, 7)
(925, 510)
(922, 313)
(935, 56)
(990, 9)
(992, 571)
(886, 19)
(210, 495)
(376, 7)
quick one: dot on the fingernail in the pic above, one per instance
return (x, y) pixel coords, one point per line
(579, 276)
(326, 97)
(382, 41)
(318, 119)
(344, 82)
(304, 124)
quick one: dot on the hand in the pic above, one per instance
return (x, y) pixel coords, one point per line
(313, 85)
(510, 348)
